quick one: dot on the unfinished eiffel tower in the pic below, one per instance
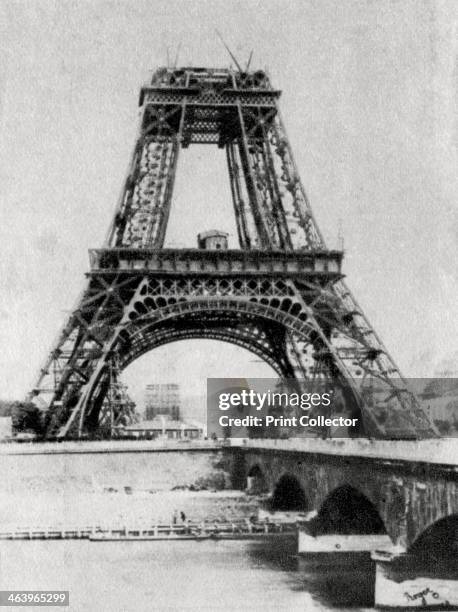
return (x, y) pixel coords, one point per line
(281, 294)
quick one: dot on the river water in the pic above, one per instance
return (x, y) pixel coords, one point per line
(156, 576)
(189, 575)
(137, 489)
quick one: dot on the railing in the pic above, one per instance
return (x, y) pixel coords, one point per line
(225, 261)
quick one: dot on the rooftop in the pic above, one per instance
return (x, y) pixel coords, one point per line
(159, 423)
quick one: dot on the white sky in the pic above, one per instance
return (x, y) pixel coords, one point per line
(370, 106)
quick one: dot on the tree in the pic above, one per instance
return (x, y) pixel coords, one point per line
(27, 417)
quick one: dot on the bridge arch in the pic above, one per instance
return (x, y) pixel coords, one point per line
(439, 541)
(289, 494)
(348, 511)
(256, 480)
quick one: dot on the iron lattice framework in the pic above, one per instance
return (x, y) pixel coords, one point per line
(281, 294)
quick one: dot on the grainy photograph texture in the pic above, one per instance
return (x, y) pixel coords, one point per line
(229, 365)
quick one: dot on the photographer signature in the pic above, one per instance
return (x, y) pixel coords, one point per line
(421, 594)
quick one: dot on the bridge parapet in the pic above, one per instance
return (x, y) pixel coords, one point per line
(442, 451)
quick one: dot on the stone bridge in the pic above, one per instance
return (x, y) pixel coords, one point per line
(411, 486)
(406, 492)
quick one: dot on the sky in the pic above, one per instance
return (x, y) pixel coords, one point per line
(369, 102)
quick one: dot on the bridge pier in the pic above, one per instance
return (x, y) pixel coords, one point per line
(340, 564)
(311, 542)
(404, 580)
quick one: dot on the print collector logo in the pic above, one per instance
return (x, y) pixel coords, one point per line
(235, 405)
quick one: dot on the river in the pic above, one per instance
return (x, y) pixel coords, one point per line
(159, 576)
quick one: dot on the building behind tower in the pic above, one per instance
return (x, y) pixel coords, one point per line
(162, 399)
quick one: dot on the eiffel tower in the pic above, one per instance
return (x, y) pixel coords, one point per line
(281, 294)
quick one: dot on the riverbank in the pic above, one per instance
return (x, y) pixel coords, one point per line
(105, 446)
